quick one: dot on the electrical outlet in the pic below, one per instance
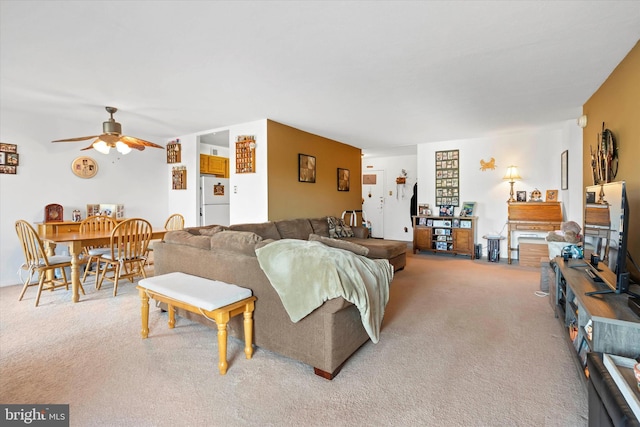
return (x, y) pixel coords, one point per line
(406, 230)
(235, 189)
(390, 193)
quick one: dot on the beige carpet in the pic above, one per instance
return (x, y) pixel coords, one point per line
(464, 343)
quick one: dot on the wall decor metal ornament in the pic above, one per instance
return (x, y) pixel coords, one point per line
(448, 178)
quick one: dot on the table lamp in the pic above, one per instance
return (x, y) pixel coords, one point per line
(512, 176)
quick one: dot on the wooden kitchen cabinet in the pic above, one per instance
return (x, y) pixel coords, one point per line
(214, 165)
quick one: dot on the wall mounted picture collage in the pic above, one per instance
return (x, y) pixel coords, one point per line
(448, 178)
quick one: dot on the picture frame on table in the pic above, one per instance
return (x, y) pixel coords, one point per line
(465, 223)
(306, 168)
(468, 208)
(521, 196)
(591, 197)
(455, 223)
(447, 210)
(422, 221)
(552, 196)
(429, 222)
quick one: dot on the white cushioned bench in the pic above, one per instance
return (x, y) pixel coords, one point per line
(215, 300)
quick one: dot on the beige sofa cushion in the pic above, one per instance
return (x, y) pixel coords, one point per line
(294, 228)
(320, 226)
(341, 244)
(266, 230)
(243, 242)
(183, 237)
(210, 231)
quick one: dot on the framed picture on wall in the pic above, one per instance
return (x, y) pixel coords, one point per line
(564, 170)
(306, 168)
(343, 179)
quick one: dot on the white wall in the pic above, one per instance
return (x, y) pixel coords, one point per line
(137, 180)
(248, 198)
(536, 152)
(397, 205)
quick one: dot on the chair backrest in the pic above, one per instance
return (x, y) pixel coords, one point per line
(32, 246)
(130, 239)
(97, 223)
(174, 222)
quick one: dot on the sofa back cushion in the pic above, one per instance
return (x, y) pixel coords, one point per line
(266, 230)
(294, 228)
(320, 226)
(243, 242)
(341, 244)
(184, 237)
(210, 231)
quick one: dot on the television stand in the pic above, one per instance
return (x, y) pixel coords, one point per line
(605, 324)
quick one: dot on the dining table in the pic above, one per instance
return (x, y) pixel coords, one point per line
(76, 241)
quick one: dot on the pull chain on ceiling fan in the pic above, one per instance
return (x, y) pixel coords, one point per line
(112, 138)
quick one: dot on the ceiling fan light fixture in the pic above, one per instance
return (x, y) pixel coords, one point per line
(122, 147)
(101, 146)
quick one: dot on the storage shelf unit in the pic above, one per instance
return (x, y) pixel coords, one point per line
(455, 235)
(602, 323)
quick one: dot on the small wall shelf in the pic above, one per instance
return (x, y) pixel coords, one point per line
(174, 151)
(245, 154)
(179, 178)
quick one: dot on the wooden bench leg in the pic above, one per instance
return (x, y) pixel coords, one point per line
(172, 315)
(248, 329)
(222, 347)
(144, 310)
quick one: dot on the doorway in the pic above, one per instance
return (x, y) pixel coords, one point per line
(373, 205)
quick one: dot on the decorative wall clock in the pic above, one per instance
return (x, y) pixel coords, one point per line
(53, 213)
(84, 167)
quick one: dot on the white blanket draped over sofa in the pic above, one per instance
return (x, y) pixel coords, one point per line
(305, 274)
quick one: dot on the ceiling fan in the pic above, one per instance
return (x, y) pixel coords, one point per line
(113, 138)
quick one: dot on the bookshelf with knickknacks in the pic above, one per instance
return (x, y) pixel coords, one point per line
(438, 234)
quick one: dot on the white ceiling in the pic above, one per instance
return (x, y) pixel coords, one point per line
(373, 74)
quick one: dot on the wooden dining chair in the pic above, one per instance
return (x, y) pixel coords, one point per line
(37, 261)
(174, 222)
(93, 253)
(127, 255)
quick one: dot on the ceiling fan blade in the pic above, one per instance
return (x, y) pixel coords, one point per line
(131, 141)
(89, 147)
(81, 138)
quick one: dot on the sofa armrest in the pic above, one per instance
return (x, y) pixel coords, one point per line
(360, 232)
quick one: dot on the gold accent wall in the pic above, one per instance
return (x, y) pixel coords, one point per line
(289, 198)
(617, 104)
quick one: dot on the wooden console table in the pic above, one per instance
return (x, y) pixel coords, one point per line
(532, 216)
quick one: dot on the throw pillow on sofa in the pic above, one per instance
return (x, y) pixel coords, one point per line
(338, 228)
(341, 244)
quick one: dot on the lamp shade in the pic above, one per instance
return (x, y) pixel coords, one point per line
(512, 174)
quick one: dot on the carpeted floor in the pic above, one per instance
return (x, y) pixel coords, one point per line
(464, 343)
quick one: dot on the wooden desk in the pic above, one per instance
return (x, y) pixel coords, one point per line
(532, 216)
(75, 241)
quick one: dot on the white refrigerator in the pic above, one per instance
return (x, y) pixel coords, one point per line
(214, 200)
